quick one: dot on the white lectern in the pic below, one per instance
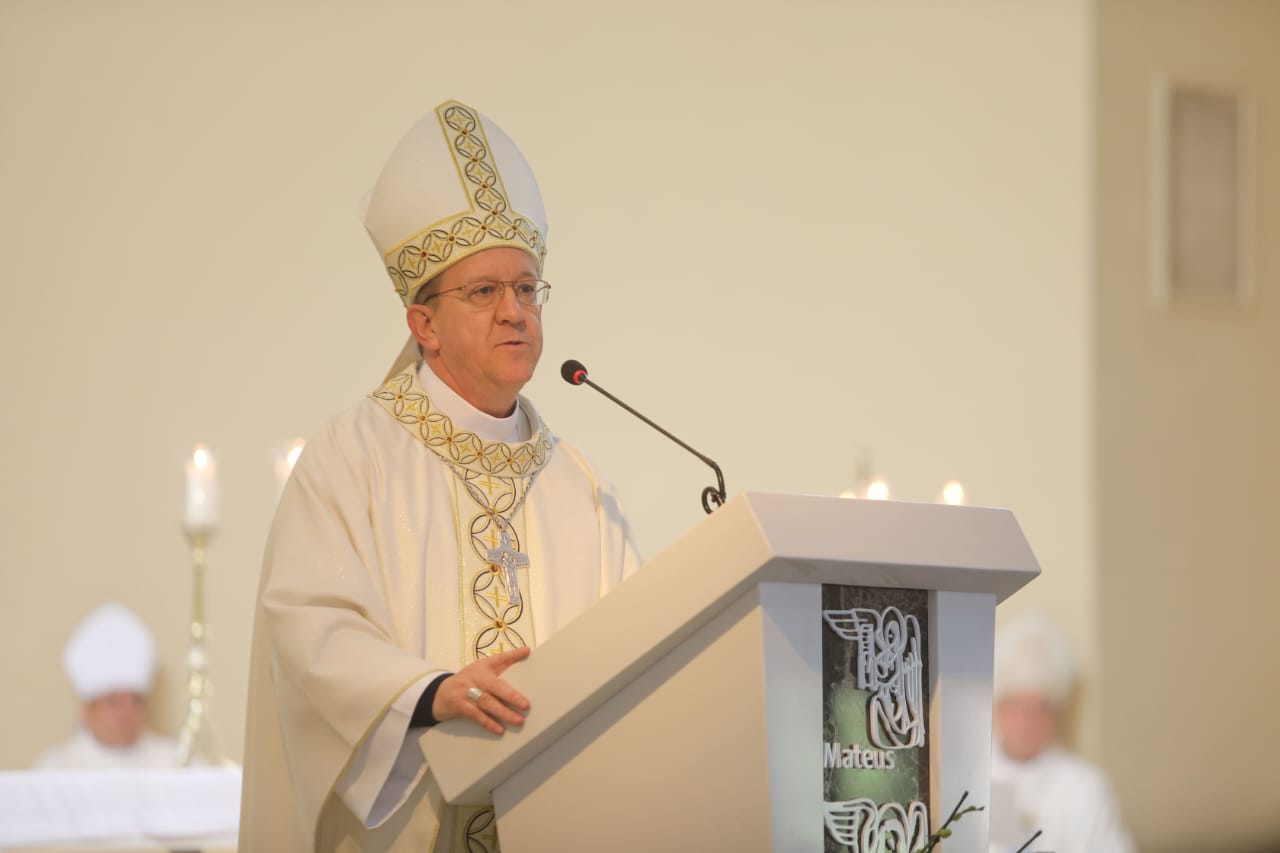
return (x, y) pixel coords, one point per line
(685, 711)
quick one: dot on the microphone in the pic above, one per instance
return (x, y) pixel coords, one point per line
(575, 373)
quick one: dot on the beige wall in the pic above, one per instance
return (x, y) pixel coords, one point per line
(1188, 462)
(843, 225)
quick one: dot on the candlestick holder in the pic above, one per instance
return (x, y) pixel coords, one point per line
(196, 741)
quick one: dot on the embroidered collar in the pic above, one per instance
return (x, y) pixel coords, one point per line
(467, 418)
(402, 396)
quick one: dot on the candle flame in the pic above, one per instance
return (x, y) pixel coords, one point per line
(295, 450)
(878, 490)
(953, 493)
(201, 457)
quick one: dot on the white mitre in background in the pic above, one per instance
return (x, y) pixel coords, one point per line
(111, 649)
(455, 185)
(1032, 654)
(111, 661)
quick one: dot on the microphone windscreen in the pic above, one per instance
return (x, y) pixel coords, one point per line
(573, 371)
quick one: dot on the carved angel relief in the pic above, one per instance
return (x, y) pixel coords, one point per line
(890, 666)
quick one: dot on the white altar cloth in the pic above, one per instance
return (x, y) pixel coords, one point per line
(187, 808)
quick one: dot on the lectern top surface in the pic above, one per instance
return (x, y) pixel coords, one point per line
(891, 543)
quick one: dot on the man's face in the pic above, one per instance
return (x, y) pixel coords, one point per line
(1025, 724)
(486, 355)
(115, 719)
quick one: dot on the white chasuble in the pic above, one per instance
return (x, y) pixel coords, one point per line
(405, 546)
(1065, 797)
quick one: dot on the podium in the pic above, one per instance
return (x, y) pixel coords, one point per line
(704, 704)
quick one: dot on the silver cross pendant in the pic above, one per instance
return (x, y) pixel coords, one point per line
(509, 560)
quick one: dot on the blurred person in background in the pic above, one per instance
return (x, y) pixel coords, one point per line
(1036, 784)
(111, 661)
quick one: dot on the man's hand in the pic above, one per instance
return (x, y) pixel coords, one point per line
(501, 703)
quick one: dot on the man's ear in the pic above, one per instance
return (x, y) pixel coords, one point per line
(421, 320)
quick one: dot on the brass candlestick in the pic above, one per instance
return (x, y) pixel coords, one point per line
(196, 741)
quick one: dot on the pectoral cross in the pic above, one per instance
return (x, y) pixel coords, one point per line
(509, 560)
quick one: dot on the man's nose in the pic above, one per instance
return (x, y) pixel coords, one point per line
(509, 307)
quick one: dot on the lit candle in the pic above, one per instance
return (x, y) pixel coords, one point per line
(202, 490)
(953, 493)
(286, 459)
(878, 490)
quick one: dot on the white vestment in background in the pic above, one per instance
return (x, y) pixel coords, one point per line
(1063, 795)
(83, 751)
(369, 591)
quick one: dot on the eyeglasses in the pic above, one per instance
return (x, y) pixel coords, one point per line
(486, 294)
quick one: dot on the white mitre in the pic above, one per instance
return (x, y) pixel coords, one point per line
(111, 649)
(1032, 654)
(455, 185)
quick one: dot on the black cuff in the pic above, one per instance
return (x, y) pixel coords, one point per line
(422, 715)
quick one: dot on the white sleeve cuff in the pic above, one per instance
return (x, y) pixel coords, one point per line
(389, 764)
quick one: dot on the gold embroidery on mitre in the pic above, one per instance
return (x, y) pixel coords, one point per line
(489, 221)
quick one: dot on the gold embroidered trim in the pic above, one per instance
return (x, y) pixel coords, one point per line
(403, 397)
(502, 628)
(479, 831)
(495, 477)
(489, 221)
